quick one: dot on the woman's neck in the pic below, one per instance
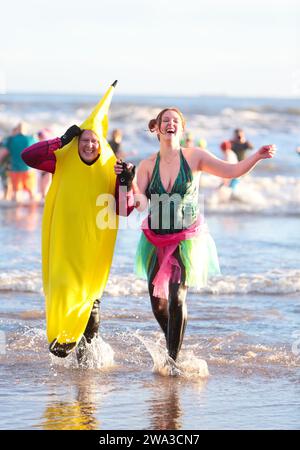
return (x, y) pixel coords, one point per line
(169, 149)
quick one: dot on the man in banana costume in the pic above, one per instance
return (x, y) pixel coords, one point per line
(77, 247)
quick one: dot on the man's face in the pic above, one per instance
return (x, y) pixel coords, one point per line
(88, 146)
(239, 135)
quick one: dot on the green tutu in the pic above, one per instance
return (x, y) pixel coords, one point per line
(199, 256)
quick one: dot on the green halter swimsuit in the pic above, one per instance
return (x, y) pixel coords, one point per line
(176, 210)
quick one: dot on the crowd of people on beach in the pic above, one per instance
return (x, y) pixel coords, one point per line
(17, 177)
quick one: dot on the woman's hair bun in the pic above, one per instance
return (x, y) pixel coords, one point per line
(152, 125)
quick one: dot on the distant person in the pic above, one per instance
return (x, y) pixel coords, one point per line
(45, 177)
(202, 143)
(239, 144)
(4, 170)
(115, 143)
(188, 141)
(231, 158)
(20, 175)
(298, 150)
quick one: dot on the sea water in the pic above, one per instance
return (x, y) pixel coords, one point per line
(239, 365)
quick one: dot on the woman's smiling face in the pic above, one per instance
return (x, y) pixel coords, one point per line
(171, 125)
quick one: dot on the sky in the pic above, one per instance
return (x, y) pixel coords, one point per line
(162, 47)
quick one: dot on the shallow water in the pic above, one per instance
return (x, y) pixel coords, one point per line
(253, 381)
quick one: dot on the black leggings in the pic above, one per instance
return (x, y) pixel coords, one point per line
(90, 332)
(171, 314)
(93, 324)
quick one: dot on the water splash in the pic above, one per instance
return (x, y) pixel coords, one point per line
(188, 365)
(98, 355)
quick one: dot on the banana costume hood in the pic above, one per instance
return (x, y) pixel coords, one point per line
(77, 250)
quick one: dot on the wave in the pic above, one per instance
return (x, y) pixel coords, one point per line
(277, 195)
(273, 282)
(195, 103)
(216, 115)
(138, 115)
(21, 281)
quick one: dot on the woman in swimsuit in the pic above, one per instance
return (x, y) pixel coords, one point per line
(175, 250)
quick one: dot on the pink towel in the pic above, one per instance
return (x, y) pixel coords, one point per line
(166, 244)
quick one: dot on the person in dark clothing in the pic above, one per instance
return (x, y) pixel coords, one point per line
(239, 145)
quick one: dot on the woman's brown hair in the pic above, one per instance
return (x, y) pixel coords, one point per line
(157, 122)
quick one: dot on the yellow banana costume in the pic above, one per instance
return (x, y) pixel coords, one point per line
(76, 253)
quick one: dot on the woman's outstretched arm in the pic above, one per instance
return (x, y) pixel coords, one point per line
(215, 166)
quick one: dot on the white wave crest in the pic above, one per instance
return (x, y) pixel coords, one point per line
(261, 195)
(273, 282)
(21, 281)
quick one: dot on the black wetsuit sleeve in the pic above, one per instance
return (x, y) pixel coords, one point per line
(124, 199)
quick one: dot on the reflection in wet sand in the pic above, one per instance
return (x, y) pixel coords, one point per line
(77, 415)
(165, 409)
(70, 416)
(25, 217)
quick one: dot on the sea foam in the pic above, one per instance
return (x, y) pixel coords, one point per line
(273, 282)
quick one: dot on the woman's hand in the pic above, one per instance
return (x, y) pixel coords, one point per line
(267, 151)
